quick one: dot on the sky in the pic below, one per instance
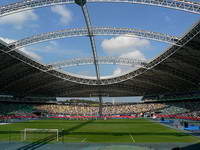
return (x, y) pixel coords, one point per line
(47, 19)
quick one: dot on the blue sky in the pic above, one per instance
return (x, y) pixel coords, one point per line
(28, 23)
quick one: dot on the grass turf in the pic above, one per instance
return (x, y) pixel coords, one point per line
(98, 131)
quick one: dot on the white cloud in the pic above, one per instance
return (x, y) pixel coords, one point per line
(27, 52)
(65, 14)
(127, 47)
(122, 70)
(31, 54)
(117, 71)
(19, 19)
(136, 54)
(50, 46)
(123, 44)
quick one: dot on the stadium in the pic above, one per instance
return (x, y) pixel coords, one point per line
(130, 88)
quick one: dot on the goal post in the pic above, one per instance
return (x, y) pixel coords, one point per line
(44, 131)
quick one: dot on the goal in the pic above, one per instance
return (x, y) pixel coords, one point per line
(33, 133)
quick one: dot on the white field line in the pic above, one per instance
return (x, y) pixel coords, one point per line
(84, 140)
(132, 138)
(4, 123)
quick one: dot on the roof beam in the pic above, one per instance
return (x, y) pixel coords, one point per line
(101, 60)
(23, 78)
(129, 89)
(46, 85)
(185, 59)
(152, 81)
(15, 76)
(176, 73)
(83, 6)
(92, 40)
(11, 67)
(93, 31)
(188, 6)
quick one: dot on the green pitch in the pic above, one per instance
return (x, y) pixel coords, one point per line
(97, 131)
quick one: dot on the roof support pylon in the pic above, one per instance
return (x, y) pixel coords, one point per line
(82, 4)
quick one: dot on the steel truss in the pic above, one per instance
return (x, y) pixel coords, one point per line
(188, 6)
(112, 80)
(101, 60)
(94, 31)
(183, 41)
(195, 30)
(85, 80)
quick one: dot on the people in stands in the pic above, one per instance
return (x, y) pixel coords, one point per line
(186, 108)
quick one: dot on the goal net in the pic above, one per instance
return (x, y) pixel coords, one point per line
(32, 134)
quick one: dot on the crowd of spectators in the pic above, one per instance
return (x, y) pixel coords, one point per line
(190, 108)
(107, 109)
(181, 107)
(132, 108)
(68, 109)
(15, 108)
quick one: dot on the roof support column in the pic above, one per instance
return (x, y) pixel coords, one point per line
(82, 4)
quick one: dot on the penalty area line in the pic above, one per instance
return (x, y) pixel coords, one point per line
(132, 138)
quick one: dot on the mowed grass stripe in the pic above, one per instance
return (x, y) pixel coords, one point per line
(101, 131)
